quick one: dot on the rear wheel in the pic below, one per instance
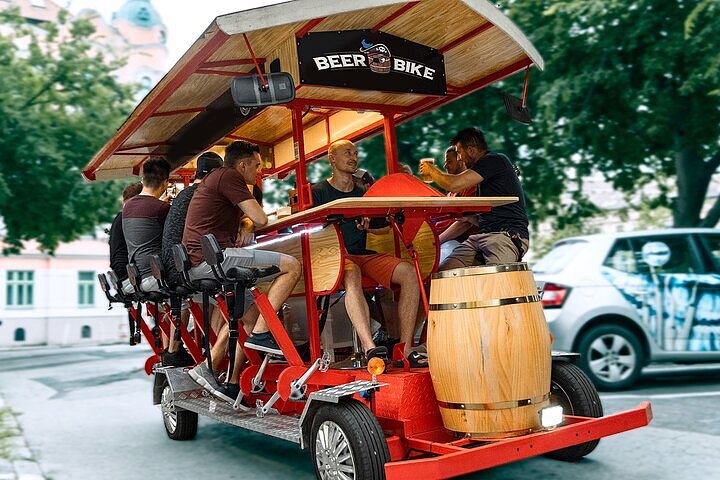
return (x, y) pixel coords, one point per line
(347, 443)
(612, 357)
(179, 424)
(572, 389)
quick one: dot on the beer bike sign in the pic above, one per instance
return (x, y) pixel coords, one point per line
(368, 60)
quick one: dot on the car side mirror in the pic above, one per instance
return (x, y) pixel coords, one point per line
(249, 91)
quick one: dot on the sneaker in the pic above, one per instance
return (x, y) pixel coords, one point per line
(181, 358)
(202, 376)
(263, 342)
(228, 392)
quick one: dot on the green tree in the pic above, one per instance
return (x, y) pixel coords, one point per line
(631, 89)
(58, 103)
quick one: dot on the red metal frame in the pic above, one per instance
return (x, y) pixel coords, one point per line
(391, 154)
(224, 73)
(309, 26)
(454, 460)
(394, 15)
(255, 60)
(177, 112)
(135, 121)
(232, 63)
(464, 38)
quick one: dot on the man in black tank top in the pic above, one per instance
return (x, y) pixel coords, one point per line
(503, 232)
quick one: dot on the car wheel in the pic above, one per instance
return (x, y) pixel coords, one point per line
(179, 424)
(572, 389)
(348, 443)
(612, 357)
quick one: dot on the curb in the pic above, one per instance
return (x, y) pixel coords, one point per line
(22, 465)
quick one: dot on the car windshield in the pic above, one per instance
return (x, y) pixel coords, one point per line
(559, 257)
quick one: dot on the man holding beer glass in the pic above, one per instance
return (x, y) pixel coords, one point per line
(504, 236)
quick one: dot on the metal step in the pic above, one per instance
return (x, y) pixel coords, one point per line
(190, 396)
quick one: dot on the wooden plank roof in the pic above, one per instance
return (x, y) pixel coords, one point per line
(190, 109)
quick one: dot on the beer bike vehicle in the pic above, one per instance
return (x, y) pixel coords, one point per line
(293, 78)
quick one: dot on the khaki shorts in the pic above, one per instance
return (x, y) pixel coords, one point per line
(239, 257)
(487, 249)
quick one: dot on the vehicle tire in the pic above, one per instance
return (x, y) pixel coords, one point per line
(351, 428)
(612, 356)
(573, 390)
(179, 424)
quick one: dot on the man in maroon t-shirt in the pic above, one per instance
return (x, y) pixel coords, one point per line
(143, 217)
(217, 207)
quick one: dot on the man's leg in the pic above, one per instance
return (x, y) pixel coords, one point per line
(498, 248)
(279, 291)
(356, 305)
(175, 344)
(461, 257)
(405, 276)
(220, 327)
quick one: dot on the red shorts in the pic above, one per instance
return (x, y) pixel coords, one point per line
(377, 266)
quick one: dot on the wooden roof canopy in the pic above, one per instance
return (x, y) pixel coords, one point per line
(191, 110)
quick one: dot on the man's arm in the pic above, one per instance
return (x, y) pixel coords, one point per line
(455, 230)
(254, 211)
(451, 183)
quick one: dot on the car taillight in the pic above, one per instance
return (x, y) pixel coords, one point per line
(554, 295)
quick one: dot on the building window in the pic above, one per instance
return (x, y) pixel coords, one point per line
(19, 334)
(86, 331)
(86, 289)
(20, 288)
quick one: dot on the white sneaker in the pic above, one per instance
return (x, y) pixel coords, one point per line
(202, 376)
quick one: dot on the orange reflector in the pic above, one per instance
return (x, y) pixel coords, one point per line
(376, 366)
(552, 339)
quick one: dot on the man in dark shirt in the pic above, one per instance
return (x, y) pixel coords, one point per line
(175, 221)
(118, 247)
(217, 206)
(385, 269)
(143, 220)
(460, 229)
(503, 236)
(172, 235)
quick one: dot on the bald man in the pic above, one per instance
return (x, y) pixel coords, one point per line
(385, 269)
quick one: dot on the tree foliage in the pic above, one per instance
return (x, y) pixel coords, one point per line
(631, 89)
(58, 103)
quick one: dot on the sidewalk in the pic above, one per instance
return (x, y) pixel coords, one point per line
(16, 459)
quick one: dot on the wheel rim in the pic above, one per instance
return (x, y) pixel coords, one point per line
(333, 455)
(612, 358)
(168, 410)
(558, 396)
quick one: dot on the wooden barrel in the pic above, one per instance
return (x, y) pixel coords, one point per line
(489, 350)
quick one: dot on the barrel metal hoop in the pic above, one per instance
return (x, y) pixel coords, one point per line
(467, 272)
(494, 405)
(493, 435)
(498, 302)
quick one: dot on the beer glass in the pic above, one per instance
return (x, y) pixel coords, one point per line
(427, 178)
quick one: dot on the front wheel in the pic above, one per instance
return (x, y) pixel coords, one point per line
(179, 424)
(612, 357)
(572, 389)
(347, 443)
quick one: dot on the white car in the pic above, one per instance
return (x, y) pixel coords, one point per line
(627, 299)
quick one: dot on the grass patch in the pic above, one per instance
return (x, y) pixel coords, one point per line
(5, 433)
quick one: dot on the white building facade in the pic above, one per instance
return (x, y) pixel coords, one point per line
(56, 299)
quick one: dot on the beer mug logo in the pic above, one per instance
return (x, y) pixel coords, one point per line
(378, 56)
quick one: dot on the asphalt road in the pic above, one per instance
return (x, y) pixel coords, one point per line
(87, 414)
